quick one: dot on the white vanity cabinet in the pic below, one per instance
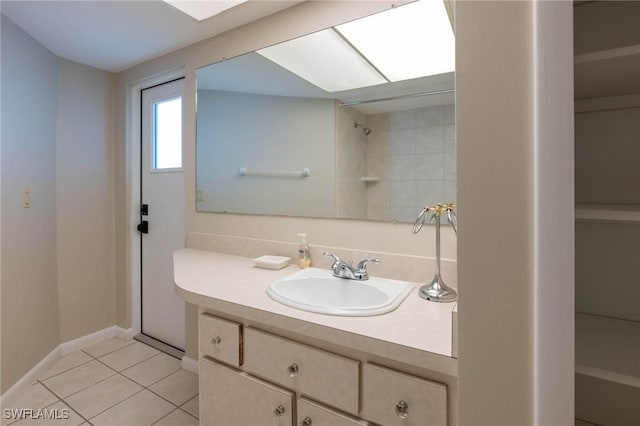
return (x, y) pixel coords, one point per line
(393, 398)
(272, 380)
(232, 398)
(326, 377)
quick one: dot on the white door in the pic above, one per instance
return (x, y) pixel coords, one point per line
(162, 208)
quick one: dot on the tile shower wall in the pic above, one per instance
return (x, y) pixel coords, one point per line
(351, 149)
(413, 154)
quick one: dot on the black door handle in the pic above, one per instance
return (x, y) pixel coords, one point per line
(144, 227)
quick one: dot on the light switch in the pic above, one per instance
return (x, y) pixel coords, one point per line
(26, 198)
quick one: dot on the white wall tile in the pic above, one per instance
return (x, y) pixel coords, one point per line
(450, 166)
(404, 214)
(405, 146)
(429, 117)
(402, 141)
(450, 191)
(450, 138)
(381, 213)
(402, 167)
(402, 119)
(430, 166)
(449, 114)
(429, 192)
(403, 193)
(378, 193)
(378, 165)
(429, 139)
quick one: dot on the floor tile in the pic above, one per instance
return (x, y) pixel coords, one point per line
(107, 346)
(57, 414)
(128, 356)
(153, 369)
(177, 418)
(78, 378)
(102, 395)
(192, 406)
(142, 409)
(65, 363)
(35, 397)
(178, 388)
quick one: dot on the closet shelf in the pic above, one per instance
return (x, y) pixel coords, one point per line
(608, 348)
(608, 212)
(608, 72)
(603, 55)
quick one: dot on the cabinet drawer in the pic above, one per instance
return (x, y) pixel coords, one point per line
(393, 398)
(232, 398)
(220, 339)
(313, 414)
(323, 376)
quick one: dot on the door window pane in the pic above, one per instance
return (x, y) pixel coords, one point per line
(167, 140)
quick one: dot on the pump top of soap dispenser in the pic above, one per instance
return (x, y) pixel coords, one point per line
(304, 257)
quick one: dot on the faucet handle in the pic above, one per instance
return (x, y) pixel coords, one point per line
(336, 259)
(362, 265)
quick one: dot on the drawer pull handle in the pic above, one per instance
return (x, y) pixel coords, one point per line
(306, 422)
(216, 341)
(292, 370)
(279, 412)
(402, 409)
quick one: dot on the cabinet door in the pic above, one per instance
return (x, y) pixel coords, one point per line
(232, 398)
(323, 376)
(392, 398)
(220, 339)
(313, 414)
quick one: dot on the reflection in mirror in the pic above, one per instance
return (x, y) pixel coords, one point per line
(328, 126)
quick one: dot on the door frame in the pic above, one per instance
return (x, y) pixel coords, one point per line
(133, 184)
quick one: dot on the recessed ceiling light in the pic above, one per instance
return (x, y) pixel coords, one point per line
(326, 60)
(202, 10)
(410, 41)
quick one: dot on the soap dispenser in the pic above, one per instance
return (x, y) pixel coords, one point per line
(304, 257)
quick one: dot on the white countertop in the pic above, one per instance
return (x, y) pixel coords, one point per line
(418, 332)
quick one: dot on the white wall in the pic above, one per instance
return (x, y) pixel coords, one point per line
(85, 202)
(263, 132)
(514, 104)
(57, 256)
(30, 314)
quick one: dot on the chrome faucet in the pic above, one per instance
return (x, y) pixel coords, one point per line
(345, 270)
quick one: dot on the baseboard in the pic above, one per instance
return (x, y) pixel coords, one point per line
(125, 333)
(86, 341)
(190, 364)
(20, 387)
(62, 349)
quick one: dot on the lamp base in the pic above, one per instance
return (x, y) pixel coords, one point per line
(438, 291)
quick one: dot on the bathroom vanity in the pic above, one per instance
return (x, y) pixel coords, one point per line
(264, 363)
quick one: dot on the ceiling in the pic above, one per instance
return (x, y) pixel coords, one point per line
(116, 35)
(253, 73)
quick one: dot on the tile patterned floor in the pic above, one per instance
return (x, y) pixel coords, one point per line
(112, 383)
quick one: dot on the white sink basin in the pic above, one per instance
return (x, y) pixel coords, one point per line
(317, 290)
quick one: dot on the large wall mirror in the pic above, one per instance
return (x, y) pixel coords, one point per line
(356, 121)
